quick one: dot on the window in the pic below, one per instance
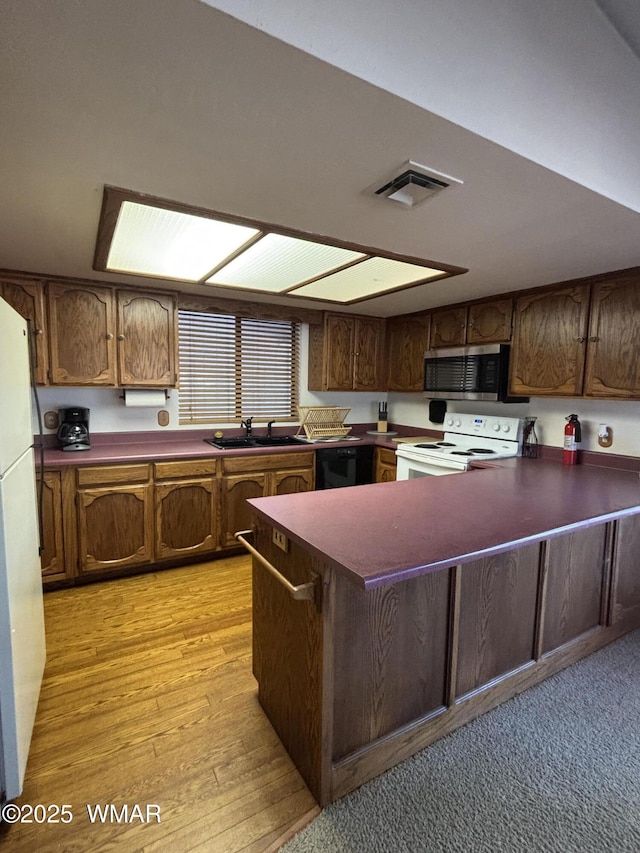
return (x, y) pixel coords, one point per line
(235, 367)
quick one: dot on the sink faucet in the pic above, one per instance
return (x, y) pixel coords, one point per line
(247, 425)
(269, 425)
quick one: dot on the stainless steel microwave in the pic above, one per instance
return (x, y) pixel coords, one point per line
(468, 373)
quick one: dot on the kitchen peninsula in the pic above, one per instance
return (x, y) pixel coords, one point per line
(410, 608)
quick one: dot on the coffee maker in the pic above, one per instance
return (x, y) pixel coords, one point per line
(73, 432)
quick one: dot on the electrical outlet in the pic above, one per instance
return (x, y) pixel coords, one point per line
(280, 540)
(51, 420)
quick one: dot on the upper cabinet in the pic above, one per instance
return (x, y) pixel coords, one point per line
(479, 323)
(146, 339)
(579, 340)
(407, 340)
(27, 297)
(346, 353)
(613, 348)
(82, 325)
(547, 357)
(99, 336)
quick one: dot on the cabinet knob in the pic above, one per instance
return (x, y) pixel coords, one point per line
(109, 336)
(120, 337)
(594, 338)
(580, 340)
(38, 331)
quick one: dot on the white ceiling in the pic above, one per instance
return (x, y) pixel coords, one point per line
(181, 101)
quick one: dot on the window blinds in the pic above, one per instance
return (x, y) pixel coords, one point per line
(236, 367)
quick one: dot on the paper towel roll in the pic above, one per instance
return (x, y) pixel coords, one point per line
(147, 398)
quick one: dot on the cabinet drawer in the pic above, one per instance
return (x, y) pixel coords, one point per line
(113, 474)
(386, 456)
(268, 462)
(185, 468)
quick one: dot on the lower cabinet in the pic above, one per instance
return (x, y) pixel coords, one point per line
(115, 518)
(105, 519)
(186, 509)
(246, 477)
(385, 465)
(52, 558)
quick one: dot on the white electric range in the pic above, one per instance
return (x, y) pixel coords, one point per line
(468, 438)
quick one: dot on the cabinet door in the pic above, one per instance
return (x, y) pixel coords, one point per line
(27, 297)
(613, 351)
(81, 331)
(407, 341)
(115, 527)
(369, 344)
(290, 482)
(490, 322)
(625, 586)
(236, 514)
(185, 518)
(448, 327)
(52, 557)
(146, 339)
(339, 352)
(576, 581)
(548, 352)
(385, 465)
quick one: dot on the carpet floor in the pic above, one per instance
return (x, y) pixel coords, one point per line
(554, 770)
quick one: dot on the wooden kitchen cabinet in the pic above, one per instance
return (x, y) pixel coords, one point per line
(247, 477)
(346, 353)
(115, 519)
(490, 322)
(186, 508)
(386, 465)
(52, 558)
(27, 297)
(99, 336)
(479, 323)
(146, 339)
(625, 582)
(82, 327)
(613, 346)
(407, 340)
(548, 352)
(580, 340)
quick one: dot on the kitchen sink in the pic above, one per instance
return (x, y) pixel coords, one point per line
(275, 440)
(229, 443)
(257, 441)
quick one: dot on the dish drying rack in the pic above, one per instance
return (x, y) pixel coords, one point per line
(323, 421)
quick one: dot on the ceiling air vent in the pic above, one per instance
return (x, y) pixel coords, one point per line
(415, 184)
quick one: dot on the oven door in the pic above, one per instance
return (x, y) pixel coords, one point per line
(412, 464)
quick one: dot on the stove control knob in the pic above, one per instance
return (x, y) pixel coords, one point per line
(496, 427)
(458, 422)
(449, 421)
(506, 428)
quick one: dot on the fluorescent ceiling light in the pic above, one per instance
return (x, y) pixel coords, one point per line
(168, 244)
(142, 235)
(371, 277)
(277, 263)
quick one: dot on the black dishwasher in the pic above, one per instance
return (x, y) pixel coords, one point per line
(344, 466)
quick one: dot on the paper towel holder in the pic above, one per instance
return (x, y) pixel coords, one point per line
(163, 391)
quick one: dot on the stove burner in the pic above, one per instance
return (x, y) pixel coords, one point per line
(480, 450)
(445, 444)
(429, 446)
(461, 453)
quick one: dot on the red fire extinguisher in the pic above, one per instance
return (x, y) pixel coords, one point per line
(572, 438)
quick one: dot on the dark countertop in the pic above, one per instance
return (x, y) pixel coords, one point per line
(150, 447)
(387, 532)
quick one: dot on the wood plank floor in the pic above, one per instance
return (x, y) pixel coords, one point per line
(148, 698)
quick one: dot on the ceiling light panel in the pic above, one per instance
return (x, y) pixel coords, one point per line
(368, 278)
(165, 243)
(276, 263)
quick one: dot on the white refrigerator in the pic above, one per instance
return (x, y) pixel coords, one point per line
(22, 642)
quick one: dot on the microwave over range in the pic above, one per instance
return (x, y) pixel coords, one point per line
(469, 373)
